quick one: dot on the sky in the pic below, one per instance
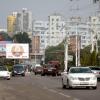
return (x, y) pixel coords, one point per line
(41, 9)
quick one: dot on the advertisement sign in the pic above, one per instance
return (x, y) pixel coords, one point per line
(17, 51)
(3, 47)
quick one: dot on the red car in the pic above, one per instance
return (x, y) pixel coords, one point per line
(49, 69)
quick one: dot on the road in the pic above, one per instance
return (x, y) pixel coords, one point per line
(38, 87)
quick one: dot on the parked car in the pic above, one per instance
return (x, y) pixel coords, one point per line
(96, 71)
(4, 73)
(79, 77)
(19, 69)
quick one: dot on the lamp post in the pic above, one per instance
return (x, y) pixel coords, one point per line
(66, 54)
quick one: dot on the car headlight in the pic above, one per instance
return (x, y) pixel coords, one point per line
(73, 78)
(93, 78)
(15, 71)
(8, 73)
(22, 72)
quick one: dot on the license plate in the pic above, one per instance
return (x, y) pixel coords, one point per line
(84, 83)
(49, 70)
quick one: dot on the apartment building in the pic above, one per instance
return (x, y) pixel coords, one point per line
(41, 28)
(56, 29)
(11, 23)
(77, 26)
(23, 22)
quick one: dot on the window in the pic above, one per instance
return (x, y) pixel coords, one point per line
(57, 19)
(52, 19)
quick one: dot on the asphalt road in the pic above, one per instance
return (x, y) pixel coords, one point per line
(38, 87)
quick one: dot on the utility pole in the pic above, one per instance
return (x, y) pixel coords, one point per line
(66, 54)
(77, 51)
(76, 47)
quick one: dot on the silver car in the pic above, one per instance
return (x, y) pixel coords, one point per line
(96, 71)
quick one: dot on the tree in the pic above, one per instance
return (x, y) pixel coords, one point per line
(5, 37)
(22, 38)
(85, 56)
(57, 53)
(93, 58)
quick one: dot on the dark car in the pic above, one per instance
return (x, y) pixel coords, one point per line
(49, 69)
(18, 69)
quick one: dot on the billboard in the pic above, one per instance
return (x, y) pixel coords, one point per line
(17, 51)
(3, 47)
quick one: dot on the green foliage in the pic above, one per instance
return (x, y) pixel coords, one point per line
(54, 52)
(88, 58)
(93, 58)
(5, 36)
(57, 53)
(10, 68)
(85, 56)
(22, 38)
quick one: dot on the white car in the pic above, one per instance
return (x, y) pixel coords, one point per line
(4, 73)
(79, 77)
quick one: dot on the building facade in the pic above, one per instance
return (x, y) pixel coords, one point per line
(23, 22)
(56, 32)
(11, 24)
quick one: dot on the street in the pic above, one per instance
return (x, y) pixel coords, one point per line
(38, 87)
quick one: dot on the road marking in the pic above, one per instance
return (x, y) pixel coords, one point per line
(64, 95)
(54, 91)
(76, 99)
(51, 90)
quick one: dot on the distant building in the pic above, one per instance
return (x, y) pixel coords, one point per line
(94, 24)
(73, 44)
(78, 26)
(23, 22)
(11, 24)
(41, 28)
(56, 29)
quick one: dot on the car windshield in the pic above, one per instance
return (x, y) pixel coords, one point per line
(3, 69)
(18, 68)
(49, 65)
(80, 70)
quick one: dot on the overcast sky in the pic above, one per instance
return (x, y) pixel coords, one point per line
(41, 9)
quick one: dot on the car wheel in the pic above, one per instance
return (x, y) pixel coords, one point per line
(42, 74)
(35, 73)
(68, 85)
(95, 87)
(13, 75)
(63, 86)
(23, 75)
(8, 78)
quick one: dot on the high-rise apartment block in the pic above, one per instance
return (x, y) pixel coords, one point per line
(20, 22)
(11, 23)
(23, 22)
(76, 26)
(55, 25)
